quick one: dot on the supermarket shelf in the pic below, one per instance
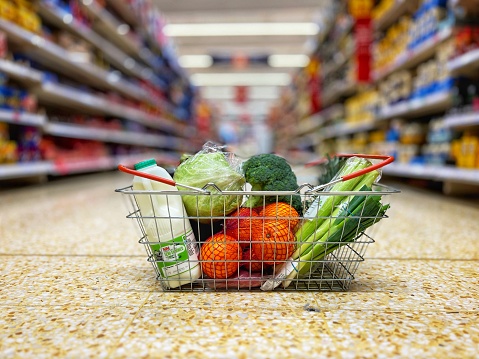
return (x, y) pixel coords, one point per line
(336, 65)
(465, 63)
(317, 120)
(106, 24)
(414, 57)
(22, 118)
(66, 96)
(27, 169)
(115, 136)
(61, 95)
(20, 72)
(64, 20)
(435, 173)
(345, 129)
(309, 124)
(124, 10)
(83, 165)
(337, 90)
(58, 59)
(399, 8)
(428, 105)
(467, 119)
(75, 166)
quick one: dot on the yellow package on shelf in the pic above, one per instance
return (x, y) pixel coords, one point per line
(8, 10)
(28, 19)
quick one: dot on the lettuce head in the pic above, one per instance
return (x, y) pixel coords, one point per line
(204, 168)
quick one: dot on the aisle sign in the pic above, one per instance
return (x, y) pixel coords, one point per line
(361, 8)
(314, 84)
(241, 94)
(363, 34)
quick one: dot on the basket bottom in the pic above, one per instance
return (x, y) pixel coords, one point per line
(331, 277)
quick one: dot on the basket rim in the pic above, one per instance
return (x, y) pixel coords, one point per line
(378, 189)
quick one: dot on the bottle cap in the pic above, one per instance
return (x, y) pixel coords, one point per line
(145, 163)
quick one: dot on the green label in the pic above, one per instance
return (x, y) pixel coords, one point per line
(173, 257)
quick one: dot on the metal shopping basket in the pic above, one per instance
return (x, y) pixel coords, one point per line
(332, 270)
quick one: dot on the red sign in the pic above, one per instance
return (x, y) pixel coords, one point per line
(241, 95)
(363, 33)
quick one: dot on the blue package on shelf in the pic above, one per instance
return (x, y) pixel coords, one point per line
(50, 77)
(432, 88)
(418, 160)
(5, 94)
(446, 85)
(392, 135)
(435, 3)
(63, 5)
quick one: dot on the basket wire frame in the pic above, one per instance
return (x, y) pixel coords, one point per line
(334, 272)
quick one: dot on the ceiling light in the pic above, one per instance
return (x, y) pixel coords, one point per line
(288, 60)
(242, 29)
(195, 61)
(241, 79)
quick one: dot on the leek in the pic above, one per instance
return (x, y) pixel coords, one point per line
(339, 219)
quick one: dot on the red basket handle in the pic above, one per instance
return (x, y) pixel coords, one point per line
(385, 161)
(147, 175)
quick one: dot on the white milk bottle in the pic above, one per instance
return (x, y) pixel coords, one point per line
(166, 223)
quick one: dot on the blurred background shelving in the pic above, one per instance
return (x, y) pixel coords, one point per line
(419, 100)
(93, 81)
(83, 89)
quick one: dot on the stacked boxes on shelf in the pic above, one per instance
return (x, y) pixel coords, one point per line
(428, 20)
(362, 108)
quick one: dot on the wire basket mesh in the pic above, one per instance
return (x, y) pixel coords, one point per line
(332, 270)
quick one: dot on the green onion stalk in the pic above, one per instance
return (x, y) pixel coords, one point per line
(339, 220)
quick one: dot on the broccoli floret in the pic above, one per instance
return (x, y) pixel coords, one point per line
(269, 172)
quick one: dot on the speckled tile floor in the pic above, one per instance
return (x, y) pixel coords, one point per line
(75, 283)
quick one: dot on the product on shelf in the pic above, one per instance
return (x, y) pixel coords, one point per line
(393, 44)
(465, 150)
(66, 149)
(465, 95)
(362, 107)
(395, 88)
(29, 139)
(427, 21)
(8, 148)
(21, 12)
(16, 99)
(437, 150)
(466, 38)
(3, 45)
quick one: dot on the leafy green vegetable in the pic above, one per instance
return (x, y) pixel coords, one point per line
(330, 168)
(269, 172)
(204, 168)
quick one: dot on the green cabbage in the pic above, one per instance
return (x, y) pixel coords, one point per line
(204, 168)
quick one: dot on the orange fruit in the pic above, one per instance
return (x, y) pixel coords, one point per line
(239, 224)
(220, 255)
(280, 212)
(250, 262)
(273, 242)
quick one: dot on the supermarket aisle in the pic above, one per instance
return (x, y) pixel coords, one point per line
(76, 284)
